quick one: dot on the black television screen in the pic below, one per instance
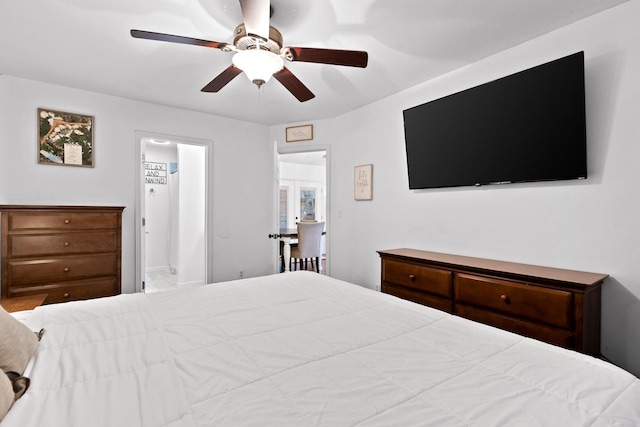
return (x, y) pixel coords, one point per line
(529, 126)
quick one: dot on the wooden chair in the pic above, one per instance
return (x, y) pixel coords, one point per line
(309, 245)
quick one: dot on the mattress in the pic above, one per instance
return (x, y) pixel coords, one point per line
(302, 349)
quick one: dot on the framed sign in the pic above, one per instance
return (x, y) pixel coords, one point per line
(300, 133)
(363, 182)
(155, 173)
(64, 138)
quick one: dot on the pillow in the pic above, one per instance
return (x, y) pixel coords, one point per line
(6, 395)
(16, 348)
(17, 345)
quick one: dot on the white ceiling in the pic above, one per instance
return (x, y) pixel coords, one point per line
(86, 44)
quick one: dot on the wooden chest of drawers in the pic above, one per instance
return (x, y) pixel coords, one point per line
(67, 252)
(558, 306)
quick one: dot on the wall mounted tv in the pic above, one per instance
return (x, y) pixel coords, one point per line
(529, 126)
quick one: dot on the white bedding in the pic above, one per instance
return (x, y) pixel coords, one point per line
(301, 349)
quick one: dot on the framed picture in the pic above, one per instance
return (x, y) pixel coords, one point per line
(300, 133)
(65, 138)
(363, 182)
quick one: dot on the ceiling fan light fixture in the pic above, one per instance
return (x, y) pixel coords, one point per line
(258, 64)
(259, 52)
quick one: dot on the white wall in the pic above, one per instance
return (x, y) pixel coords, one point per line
(191, 215)
(242, 160)
(591, 225)
(157, 211)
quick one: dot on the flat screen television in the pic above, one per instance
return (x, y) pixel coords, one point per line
(529, 126)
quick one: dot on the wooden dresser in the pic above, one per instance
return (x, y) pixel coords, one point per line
(67, 252)
(558, 306)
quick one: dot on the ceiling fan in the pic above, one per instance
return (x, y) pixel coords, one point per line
(260, 54)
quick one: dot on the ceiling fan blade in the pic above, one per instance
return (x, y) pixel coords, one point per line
(350, 58)
(293, 85)
(150, 35)
(255, 14)
(222, 79)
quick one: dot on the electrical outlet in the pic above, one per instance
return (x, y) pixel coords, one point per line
(241, 274)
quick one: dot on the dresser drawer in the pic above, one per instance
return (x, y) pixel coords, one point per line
(424, 279)
(69, 291)
(22, 221)
(444, 304)
(549, 306)
(25, 245)
(558, 336)
(59, 269)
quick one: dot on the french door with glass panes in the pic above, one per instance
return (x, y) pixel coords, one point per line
(300, 200)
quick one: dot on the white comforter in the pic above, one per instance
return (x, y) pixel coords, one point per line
(300, 349)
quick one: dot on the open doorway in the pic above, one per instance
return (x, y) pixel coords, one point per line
(172, 209)
(302, 194)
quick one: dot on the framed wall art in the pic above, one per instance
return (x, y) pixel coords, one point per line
(299, 133)
(65, 138)
(363, 182)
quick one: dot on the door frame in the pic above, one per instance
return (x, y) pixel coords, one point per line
(139, 186)
(306, 149)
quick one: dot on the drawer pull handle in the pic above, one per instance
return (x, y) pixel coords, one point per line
(66, 295)
(505, 298)
(67, 221)
(66, 269)
(412, 277)
(67, 243)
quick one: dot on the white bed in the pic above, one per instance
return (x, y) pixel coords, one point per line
(301, 349)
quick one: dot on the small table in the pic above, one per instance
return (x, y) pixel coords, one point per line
(28, 302)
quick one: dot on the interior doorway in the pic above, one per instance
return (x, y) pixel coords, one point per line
(172, 214)
(303, 192)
